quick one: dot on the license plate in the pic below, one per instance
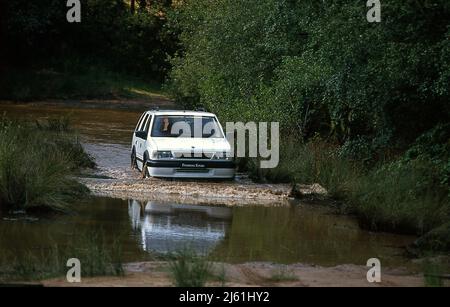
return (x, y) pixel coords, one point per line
(193, 165)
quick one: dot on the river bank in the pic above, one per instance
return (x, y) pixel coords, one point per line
(259, 274)
(137, 104)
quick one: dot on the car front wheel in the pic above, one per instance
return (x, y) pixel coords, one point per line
(133, 161)
(144, 172)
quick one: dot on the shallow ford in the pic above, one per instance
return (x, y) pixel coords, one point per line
(181, 144)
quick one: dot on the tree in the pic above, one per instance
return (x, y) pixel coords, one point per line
(318, 67)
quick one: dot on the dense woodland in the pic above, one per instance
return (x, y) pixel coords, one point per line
(364, 107)
(36, 34)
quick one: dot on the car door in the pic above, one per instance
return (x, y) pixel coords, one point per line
(146, 131)
(140, 138)
(133, 143)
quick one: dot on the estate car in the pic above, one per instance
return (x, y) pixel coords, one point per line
(181, 144)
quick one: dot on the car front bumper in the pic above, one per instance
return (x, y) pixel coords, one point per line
(191, 169)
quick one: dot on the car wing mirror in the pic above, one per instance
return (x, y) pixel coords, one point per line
(141, 134)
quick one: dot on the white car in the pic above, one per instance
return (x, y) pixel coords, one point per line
(181, 144)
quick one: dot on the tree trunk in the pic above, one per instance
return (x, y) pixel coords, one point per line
(132, 6)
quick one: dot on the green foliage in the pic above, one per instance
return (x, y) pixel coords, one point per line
(401, 197)
(432, 273)
(189, 269)
(38, 164)
(436, 240)
(34, 35)
(434, 146)
(96, 257)
(317, 66)
(309, 163)
(378, 92)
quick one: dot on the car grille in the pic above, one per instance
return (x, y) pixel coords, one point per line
(193, 156)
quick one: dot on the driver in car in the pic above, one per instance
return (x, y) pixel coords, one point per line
(165, 127)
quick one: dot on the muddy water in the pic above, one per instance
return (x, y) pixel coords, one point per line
(106, 134)
(288, 234)
(285, 234)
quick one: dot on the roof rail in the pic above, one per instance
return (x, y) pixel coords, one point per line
(154, 109)
(200, 109)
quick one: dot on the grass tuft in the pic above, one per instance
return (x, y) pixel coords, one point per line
(38, 164)
(189, 269)
(282, 275)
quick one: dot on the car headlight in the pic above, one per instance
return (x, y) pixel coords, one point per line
(162, 155)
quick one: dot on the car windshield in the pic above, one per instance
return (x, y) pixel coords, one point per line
(186, 126)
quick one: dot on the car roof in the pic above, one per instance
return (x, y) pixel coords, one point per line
(180, 112)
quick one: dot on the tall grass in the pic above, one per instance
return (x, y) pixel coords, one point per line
(433, 273)
(394, 196)
(97, 258)
(308, 163)
(400, 197)
(189, 269)
(37, 166)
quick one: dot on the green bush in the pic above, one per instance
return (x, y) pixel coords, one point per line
(317, 67)
(377, 94)
(189, 269)
(401, 197)
(436, 240)
(38, 165)
(433, 273)
(308, 163)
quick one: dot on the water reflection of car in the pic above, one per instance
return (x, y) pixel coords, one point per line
(166, 227)
(189, 144)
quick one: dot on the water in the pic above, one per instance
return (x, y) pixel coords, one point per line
(287, 234)
(297, 233)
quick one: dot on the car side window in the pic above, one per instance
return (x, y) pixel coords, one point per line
(143, 123)
(139, 122)
(147, 126)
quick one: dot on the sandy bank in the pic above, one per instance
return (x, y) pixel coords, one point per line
(156, 274)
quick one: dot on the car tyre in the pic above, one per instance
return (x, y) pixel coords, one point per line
(144, 172)
(133, 161)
